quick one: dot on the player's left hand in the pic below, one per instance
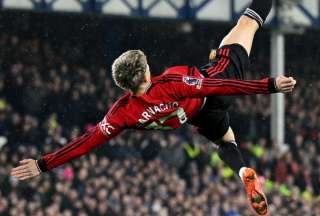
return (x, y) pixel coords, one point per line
(28, 169)
(285, 84)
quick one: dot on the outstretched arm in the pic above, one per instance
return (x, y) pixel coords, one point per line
(30, 168)
(193, 87)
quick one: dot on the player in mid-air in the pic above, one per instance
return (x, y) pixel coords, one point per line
(182, 94)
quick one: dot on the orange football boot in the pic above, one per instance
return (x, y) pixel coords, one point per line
(255, 194)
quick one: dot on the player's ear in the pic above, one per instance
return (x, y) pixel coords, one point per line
(145, 78)
(147, 75)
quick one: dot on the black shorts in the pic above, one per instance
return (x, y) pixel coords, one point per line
(213, 120)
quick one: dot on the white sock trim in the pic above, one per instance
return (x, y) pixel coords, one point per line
(241, 171)
(254, 15)
(234, 143)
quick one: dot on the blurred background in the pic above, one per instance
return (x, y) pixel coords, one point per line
(55, 83)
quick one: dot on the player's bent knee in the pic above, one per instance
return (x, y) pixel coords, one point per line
(229, 136)
(243, 34)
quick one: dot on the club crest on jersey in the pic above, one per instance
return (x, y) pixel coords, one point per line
(193, 82)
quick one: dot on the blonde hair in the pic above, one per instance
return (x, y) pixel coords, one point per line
(128, 70)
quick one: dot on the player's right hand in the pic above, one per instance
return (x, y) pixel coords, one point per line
(285, 84)
(27, 169)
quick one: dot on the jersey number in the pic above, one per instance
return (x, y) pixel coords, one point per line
(180, 113)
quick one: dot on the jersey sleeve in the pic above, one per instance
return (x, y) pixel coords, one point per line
(104, 131)
(194, 87)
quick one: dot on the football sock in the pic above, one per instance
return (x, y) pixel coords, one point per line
(230, 154)
(259, 10)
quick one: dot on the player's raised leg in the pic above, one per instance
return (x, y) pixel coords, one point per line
(231, 60)
(243, 34)
(248, 24)
(230, 154)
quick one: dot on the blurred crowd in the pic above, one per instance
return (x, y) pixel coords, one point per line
(48, 98)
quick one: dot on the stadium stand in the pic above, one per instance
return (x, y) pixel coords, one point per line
(51, 90)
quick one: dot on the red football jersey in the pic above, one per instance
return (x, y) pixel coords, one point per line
(170, 101)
